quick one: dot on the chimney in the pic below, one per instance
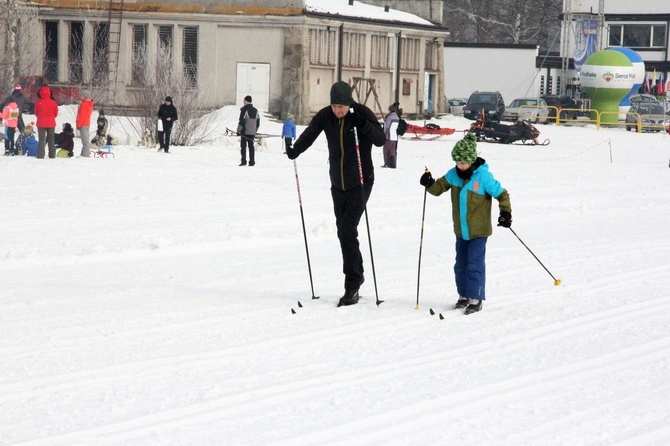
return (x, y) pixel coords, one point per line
(386, 8)
(351, 2)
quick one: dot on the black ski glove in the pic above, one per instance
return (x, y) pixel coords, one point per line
(292, 153)
(358, 120)
(505, 219)
(427, 180)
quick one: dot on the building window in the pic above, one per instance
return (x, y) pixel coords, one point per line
(638, 35)
(50, 67)
(100, 53)
(139, 62)
(75, 52)
(432, 47)
(165, 40)
(353, 50)
(322, 47)
(381, 52)
(409, 53)
(190, 54)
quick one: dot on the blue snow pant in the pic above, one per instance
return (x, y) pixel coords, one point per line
(470, 267)
(349, 206)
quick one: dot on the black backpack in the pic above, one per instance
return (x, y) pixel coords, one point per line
(402, 127)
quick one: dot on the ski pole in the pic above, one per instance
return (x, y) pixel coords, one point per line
(304, 231)
(557, 282)
(365, 207)
(423, 219)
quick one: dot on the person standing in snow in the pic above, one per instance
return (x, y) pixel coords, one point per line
(10, 114)
(248, 125)
(167, 113)
(339, 121)
(46, 111)
(472, 189)
(18, 97)
(83, 123)
(288, 131)
(391, 131)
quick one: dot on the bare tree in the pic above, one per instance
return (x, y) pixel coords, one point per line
(504, 21)
(168, 79)
(15, 59)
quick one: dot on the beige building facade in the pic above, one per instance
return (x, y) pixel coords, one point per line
(284, 53)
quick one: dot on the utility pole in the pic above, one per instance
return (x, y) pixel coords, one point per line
(565, 46)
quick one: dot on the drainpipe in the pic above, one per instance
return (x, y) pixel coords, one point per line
(340, 47)
(397, 66)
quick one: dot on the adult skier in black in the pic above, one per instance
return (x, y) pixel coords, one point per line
(338, 121)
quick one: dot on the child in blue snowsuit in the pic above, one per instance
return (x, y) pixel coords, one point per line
(288, 131)
(472, 189)
(26, 144)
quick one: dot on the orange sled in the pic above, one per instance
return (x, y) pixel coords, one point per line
(428, 132)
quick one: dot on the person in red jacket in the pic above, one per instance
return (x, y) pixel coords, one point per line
(83, 123)
(46, 111)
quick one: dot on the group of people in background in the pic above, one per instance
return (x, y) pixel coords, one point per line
(46, 112)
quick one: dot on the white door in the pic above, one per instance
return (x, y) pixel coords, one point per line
(253, 79)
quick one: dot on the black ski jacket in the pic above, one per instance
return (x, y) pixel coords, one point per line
(342, 157)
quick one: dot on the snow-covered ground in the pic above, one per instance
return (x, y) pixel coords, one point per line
(146, 300)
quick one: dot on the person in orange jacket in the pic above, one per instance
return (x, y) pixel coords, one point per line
(11, 116)
(83, 123)
(46, 111)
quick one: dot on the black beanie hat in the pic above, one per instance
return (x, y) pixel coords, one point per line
(168, 99)
(340, 93)
(248, 98)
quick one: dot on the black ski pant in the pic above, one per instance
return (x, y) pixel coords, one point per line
(247, 140)
(164, 139)
(349, 206)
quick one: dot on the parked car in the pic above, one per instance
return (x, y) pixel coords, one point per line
(652, 117)
(62, 94)
(527, 112)
(561, 101)
(490, 101)
(643, 98)
(456, 106)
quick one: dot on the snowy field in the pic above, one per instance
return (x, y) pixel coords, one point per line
(146, 299)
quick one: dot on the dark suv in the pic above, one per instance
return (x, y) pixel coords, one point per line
(560, 101)
(490, 101)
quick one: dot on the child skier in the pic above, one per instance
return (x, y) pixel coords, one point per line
(472, 188)
(288, 131)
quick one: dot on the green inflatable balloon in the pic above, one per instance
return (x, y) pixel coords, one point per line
(607, 76)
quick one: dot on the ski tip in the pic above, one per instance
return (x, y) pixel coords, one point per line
(441, 317)
(432, 313)
(292, 311)
(299, 304)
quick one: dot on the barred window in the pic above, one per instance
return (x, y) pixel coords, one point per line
(353, 50)
(321, 47)
(50, 66)
(139, 62)
(381, 52)
(409, 53)
(75, 52)
(100, 53)
(165, 39)
(190, 54)
(432, 49)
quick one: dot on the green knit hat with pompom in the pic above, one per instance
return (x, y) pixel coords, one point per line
(465, 150)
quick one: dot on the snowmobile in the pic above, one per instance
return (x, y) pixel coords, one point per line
(488, 130)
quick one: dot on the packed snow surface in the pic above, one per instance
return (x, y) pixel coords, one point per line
(146, 299)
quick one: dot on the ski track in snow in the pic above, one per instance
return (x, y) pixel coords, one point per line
(163, 315)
